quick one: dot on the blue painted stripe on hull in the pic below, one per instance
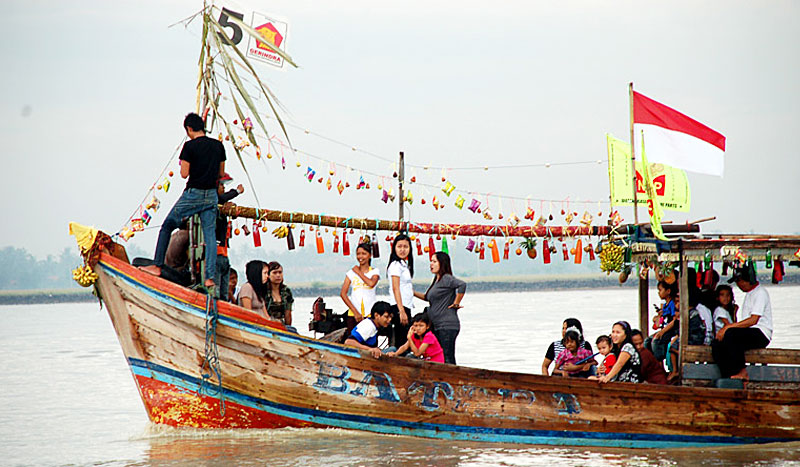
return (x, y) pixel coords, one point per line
(443, 431)
(284, 336)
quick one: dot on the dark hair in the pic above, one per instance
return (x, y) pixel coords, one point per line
(731, 307)
(694, 296)
(671, 288)
(444, 268)
(272, 266)
(572, 336)
(194, 122)
(368, 248)
(605, 339)
(233, 272)
(636, 332)
(380, 308)
(615, 349)
(574, 322)
(424, 318)
(393, 255)
(253, 271)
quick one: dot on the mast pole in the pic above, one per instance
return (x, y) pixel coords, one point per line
(400, 177)
(633, 158)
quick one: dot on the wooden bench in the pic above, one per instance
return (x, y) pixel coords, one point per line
(766, 366)
(702, 353)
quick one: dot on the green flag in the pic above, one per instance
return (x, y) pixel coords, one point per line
(653, 205)
(670, 184)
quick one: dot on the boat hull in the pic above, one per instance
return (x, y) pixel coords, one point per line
(273, 378)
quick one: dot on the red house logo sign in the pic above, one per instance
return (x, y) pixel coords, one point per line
(273, 33)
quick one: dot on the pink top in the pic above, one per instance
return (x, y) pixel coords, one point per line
(434, 350)
(568, 357)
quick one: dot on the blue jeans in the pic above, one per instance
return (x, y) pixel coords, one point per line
(447, 339)
(223, 276)
(192, 201)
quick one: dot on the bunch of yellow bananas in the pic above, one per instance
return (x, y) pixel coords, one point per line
(611, 258)
(84, 276)
(281, 232)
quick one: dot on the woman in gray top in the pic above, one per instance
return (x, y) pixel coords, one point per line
(444, 296)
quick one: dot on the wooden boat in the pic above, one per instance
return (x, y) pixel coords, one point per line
(197, 365)
(273, 378)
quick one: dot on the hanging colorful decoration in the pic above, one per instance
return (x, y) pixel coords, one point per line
(431, 248)
(256, 235)
(495, 251)
(474, 205)
(448, 188)
(445, 249)
(459, 202)
(302, 237)
(545, 252)
(470, 244)
(320, 243)
(345, 243)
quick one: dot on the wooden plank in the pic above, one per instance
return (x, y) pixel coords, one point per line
(702, 353)
(710, 371)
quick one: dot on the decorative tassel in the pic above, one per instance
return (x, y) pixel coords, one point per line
(419, 247)
(335, 242)
(303, 237)
(482, 251)
(506, 249)
(431, 248)
(445, 249)
(564, 250)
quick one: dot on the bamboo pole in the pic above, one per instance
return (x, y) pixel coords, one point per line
(400, 188)
(633, 159)
(415, 227)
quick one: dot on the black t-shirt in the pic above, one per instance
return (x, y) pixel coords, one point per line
(204, 155)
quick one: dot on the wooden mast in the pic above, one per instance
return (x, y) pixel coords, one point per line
(400, 175)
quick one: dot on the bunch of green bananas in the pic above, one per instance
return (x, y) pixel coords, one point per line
(84, 276)
(611, 258)
(281, 232)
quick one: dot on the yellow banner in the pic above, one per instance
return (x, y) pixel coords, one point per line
(653, 205)
(670, 184)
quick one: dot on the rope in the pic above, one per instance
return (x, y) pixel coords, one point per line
(211, 355)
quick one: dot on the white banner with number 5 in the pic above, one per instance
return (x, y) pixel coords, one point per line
(273, 30)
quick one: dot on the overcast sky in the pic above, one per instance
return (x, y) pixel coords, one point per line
(94, 93)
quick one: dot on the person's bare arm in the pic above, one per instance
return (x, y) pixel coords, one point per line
(372, 350)
(398, 298)
(621, 361)
(546, 366)
(745, 323)
(184, 169)
(346, 299)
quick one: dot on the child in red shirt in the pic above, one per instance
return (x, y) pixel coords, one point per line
(421, 341)
(604, 347)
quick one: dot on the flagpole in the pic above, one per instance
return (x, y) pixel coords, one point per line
(633, 158)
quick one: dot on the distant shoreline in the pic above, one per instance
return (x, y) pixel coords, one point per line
(329, 290)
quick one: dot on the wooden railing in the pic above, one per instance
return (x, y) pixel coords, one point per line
(702, 353)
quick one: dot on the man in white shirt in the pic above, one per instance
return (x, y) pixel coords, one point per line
(752, 331)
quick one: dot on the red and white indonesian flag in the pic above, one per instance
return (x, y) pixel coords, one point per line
(675, 139)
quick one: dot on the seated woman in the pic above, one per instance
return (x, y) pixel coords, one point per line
(574, 360)
(251, 295)
(628, 365)
(279, 300)
(365, 335)
(421, 340)
(556, 347)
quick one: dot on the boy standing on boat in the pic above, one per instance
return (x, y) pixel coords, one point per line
(752, 331)
(203, 163)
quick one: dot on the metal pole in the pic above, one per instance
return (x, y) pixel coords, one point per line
(633, 159)
(400, 174)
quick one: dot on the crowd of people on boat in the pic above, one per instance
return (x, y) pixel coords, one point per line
(627, 356)
(624, 355)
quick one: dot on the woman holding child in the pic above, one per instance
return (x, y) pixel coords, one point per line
(628, 365)
(444, 295)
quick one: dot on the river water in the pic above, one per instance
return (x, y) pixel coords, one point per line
(68, 398)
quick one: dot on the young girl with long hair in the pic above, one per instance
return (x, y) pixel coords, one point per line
(279, 299)
(362, 278)
(421, 341)
(628, 365)
(401, 291)
(252, 294)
